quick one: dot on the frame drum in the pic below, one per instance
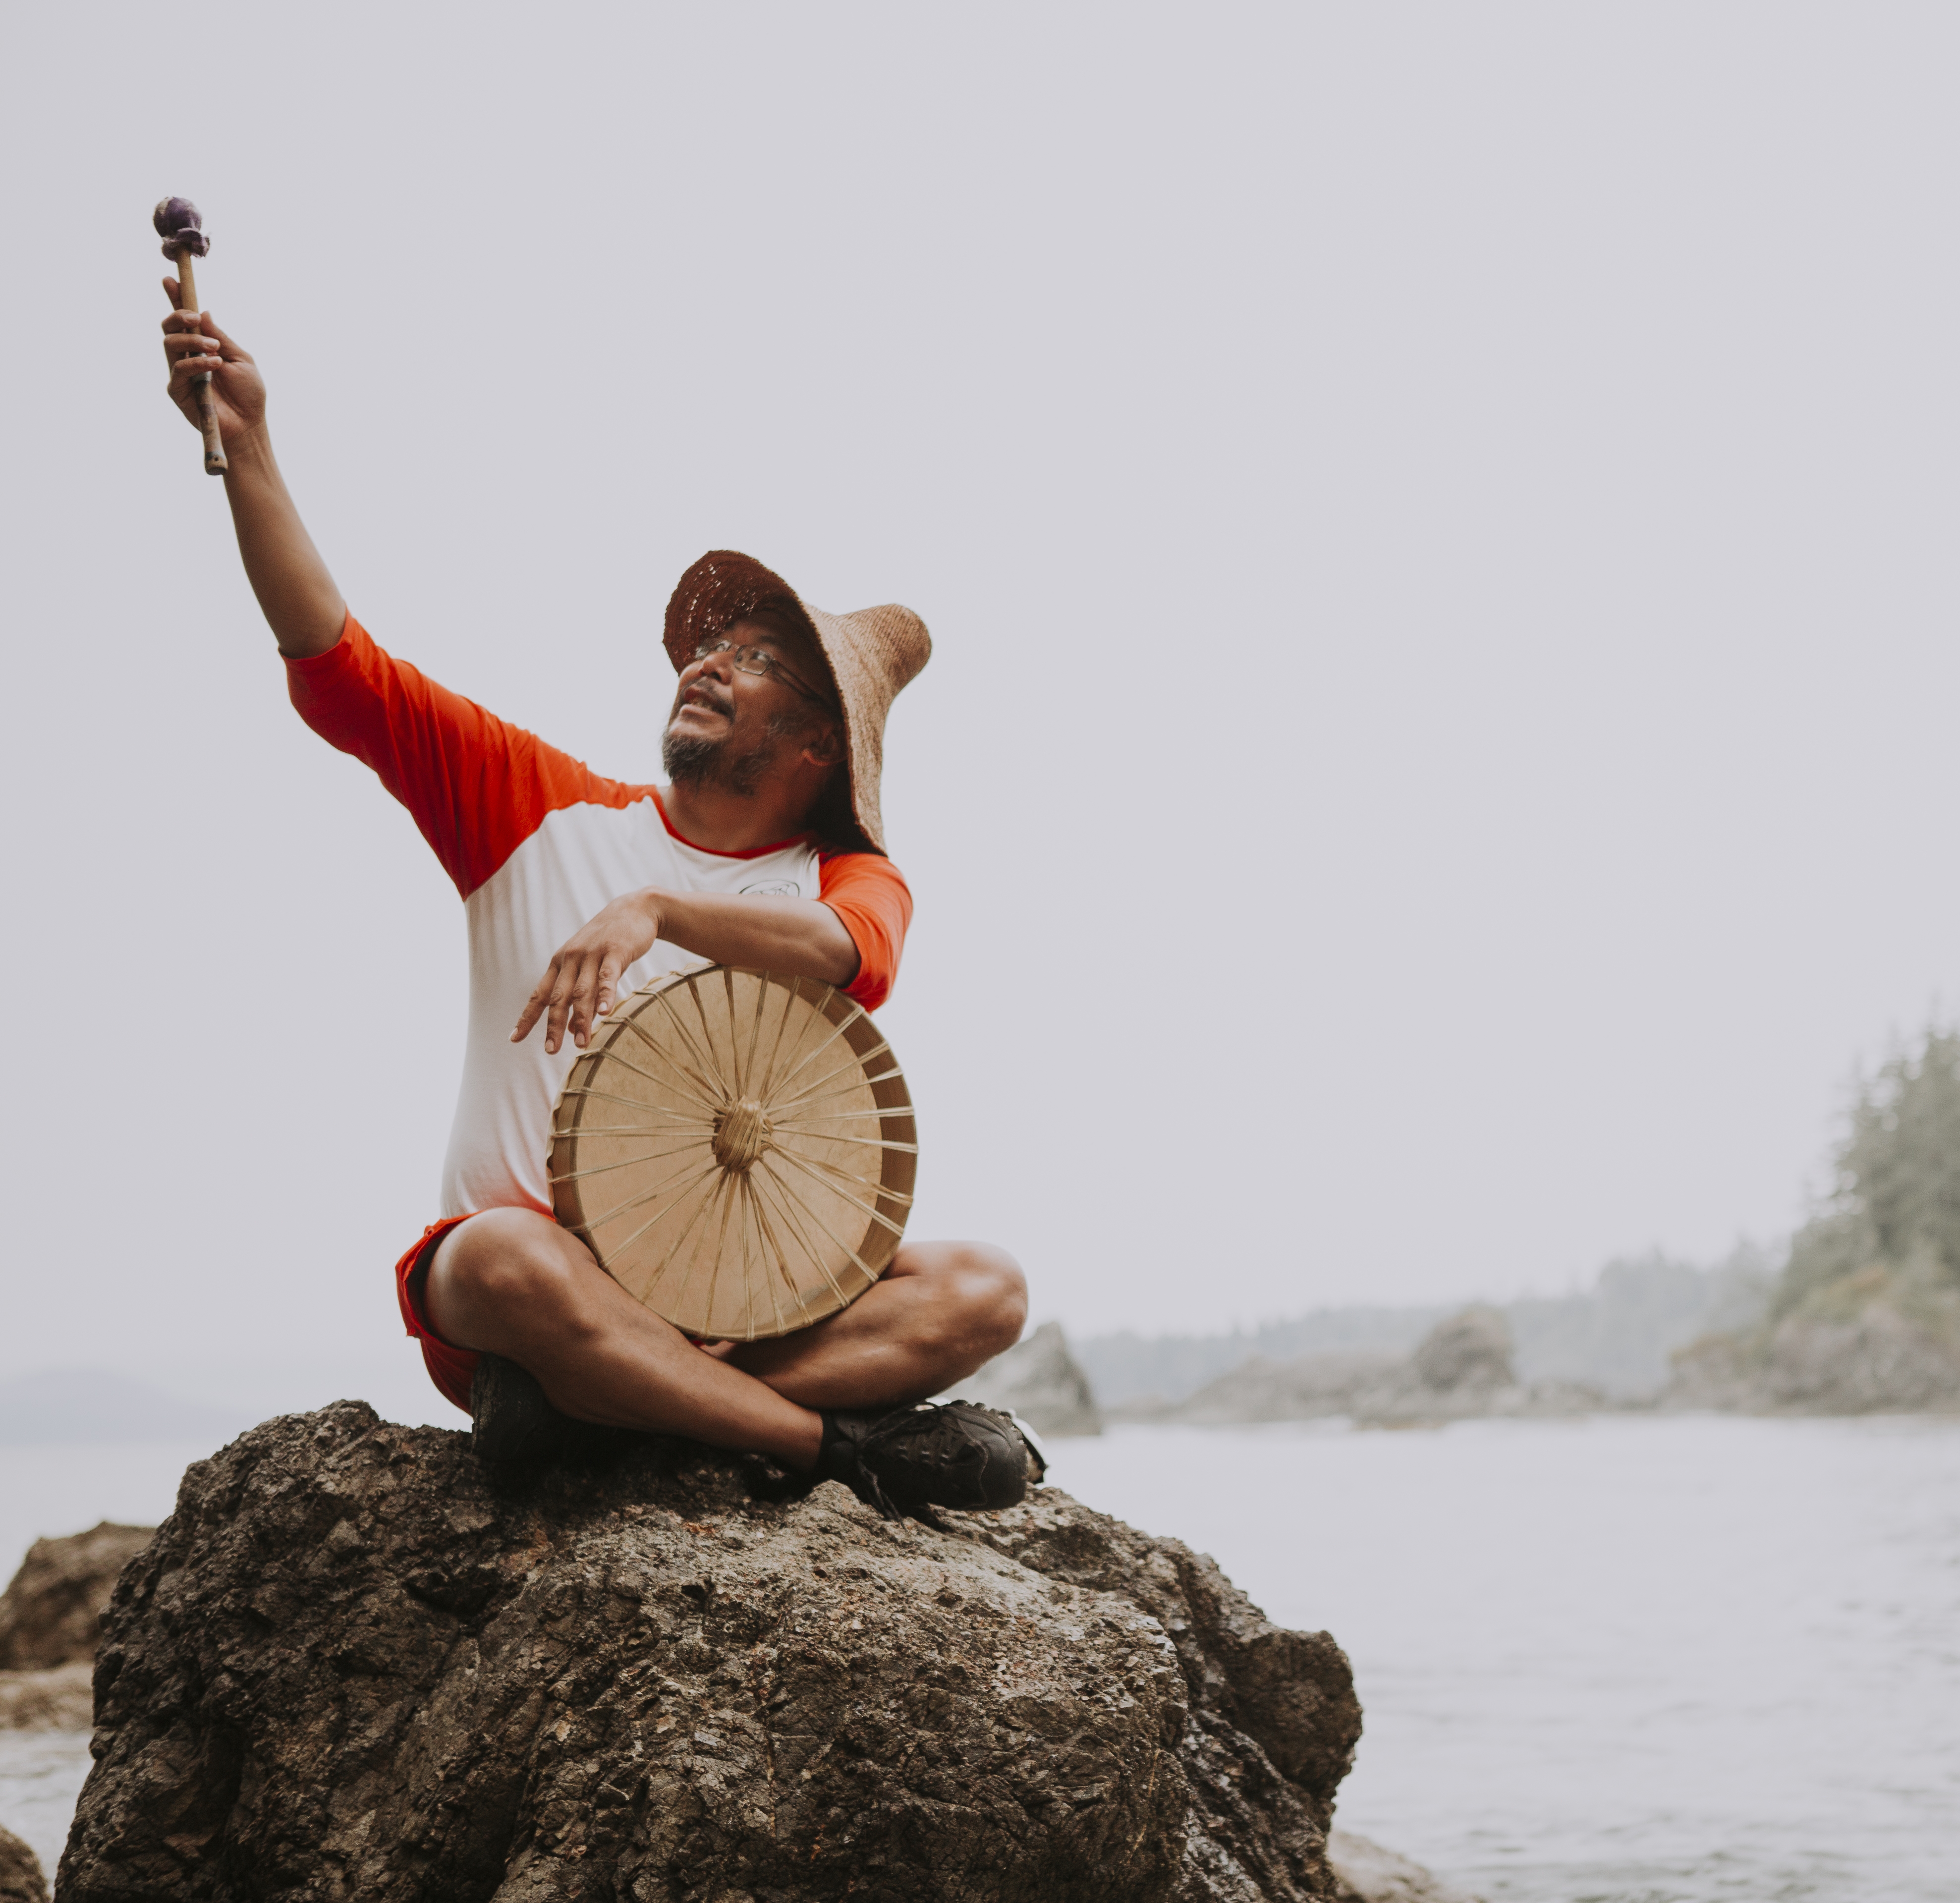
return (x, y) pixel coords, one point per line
(738, 1149)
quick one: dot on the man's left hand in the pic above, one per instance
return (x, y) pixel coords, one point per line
(580, 985)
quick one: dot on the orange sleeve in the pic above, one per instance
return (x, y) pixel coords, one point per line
(477, 786)
(870, 895)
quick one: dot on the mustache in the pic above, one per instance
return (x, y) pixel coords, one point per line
(700, 693)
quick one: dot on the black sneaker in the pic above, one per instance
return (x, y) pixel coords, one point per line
(511, 1424)
(954, 1453)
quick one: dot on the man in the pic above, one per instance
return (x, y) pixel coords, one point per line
(765, 849)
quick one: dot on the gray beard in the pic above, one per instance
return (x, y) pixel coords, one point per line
(692, 761)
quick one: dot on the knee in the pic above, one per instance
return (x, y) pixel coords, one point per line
(993, 1297)
(506, 1260)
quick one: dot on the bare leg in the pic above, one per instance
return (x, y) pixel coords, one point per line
(941, 1310)
(511, 1282)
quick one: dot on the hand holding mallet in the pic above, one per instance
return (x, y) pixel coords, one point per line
(182, 230)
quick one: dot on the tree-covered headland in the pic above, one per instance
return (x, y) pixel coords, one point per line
(1866, 1313)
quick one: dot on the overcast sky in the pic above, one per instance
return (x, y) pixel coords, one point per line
(1435, 524)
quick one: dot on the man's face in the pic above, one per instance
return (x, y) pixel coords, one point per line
(729, 727)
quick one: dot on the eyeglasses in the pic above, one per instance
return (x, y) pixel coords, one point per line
(758, 661)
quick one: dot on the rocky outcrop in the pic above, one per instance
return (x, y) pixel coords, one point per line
(56, 1700)
(1468, 1354)
(52, 1610)
(49, 1617)
(21, 1878)
(1461, 1370)
(1364, 1873)
(348, 1667)
(1309, 1387)
(1876, 1341)
(1042, 1382)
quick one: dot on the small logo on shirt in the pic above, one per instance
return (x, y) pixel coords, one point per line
(773, 889)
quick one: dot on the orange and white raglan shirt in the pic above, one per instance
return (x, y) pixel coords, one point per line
(537, 844)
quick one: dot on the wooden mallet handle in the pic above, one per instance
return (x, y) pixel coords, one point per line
(182, 230)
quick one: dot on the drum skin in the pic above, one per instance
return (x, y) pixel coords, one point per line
(738, 1150)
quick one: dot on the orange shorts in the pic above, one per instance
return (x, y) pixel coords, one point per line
(450, 1368)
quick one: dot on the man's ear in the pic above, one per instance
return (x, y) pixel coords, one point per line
(826, 747)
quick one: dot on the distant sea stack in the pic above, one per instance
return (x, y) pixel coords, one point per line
(1614, 1338)
(50, 1618)
(1462, 1370)
(1042, 1382)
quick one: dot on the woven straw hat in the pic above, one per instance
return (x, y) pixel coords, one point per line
(872, 655)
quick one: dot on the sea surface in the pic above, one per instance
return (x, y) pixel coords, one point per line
(1621, 1660)
(1686, 1659)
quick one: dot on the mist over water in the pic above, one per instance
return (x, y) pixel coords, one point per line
(1670, 1660)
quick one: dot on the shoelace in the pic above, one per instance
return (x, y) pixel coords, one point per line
(880, 1498)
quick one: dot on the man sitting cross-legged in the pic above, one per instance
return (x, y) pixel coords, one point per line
(766, 850)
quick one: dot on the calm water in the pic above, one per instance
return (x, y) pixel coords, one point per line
(1634, 1660)
(1617, 1661)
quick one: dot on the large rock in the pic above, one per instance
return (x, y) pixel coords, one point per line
(21, 1878)
(1042, 1382)
(52, 1610)
(348, 1668)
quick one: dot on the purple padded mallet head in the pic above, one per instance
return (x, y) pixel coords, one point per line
(180, 228)
(182, 231)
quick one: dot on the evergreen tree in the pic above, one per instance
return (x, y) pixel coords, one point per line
(1896, 1203)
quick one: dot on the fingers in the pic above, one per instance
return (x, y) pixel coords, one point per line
(180, 319)
(560, 1003)
(188, 367)
(197, 325)
(198, 329)
(577, 991)
(232, 354)
(191, 343)
(588, 987)
(581, 985)
(534, 1005)
(552, 1000)
(189, 350)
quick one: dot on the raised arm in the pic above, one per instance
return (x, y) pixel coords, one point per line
(295, 590)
